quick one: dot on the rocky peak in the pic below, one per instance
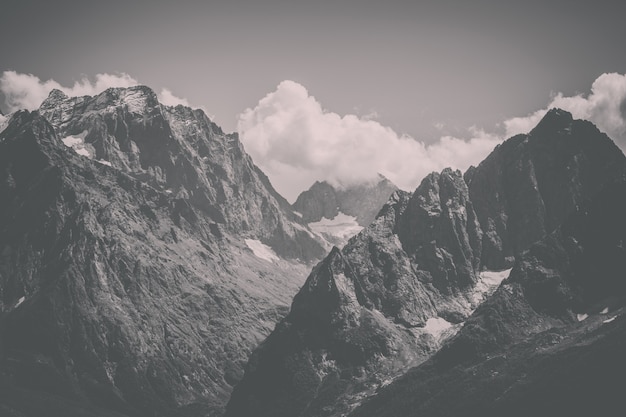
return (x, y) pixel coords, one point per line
(529, 184)
(555, 120)
(363, 201)
(440, 227)
(338, 212)
(181, 152)
(54, 98)
(317, 202)
(330, 295)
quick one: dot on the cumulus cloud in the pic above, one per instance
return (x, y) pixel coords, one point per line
(296, 142)
(169, 99)
(605, 106)
(27, 91)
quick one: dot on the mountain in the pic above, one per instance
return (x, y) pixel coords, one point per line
(550, 340)
(392, 296)
(338, 213)
(180, 151)
(142, 257)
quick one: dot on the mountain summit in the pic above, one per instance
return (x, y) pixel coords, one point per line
(339, 212)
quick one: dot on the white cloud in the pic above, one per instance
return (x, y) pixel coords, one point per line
(169, 99)
(296, 142)
(27, 91)
(605, 106)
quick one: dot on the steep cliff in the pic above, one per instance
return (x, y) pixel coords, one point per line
(528, 185)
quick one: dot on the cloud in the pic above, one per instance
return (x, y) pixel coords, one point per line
(296, 142)
(166, 97)
(27, 91)
(605, 106)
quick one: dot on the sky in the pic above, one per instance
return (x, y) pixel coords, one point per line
(335, 90)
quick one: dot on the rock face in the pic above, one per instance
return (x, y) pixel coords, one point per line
(338, 213)
(126, 285)
(529, 184)
(549, 341)
(366, 313)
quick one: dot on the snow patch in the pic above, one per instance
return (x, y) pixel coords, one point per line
(297, 213)
(581, 317)
(103, 162)
(487, 283)
(78, 144)
(609, 320)
(605, 311)
(341, 226)
(261, 250)
(20, 301)
(436, 326)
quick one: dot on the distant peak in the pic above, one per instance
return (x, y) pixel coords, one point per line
(558, 113)
(57, 94)
(54, 98)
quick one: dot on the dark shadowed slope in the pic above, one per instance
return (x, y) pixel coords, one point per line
(551, 339)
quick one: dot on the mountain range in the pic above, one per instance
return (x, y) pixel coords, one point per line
(149, 268)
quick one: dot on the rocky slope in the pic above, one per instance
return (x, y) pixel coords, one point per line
(550, 340)
(367, 312)
(134, 269)
(338, 213)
